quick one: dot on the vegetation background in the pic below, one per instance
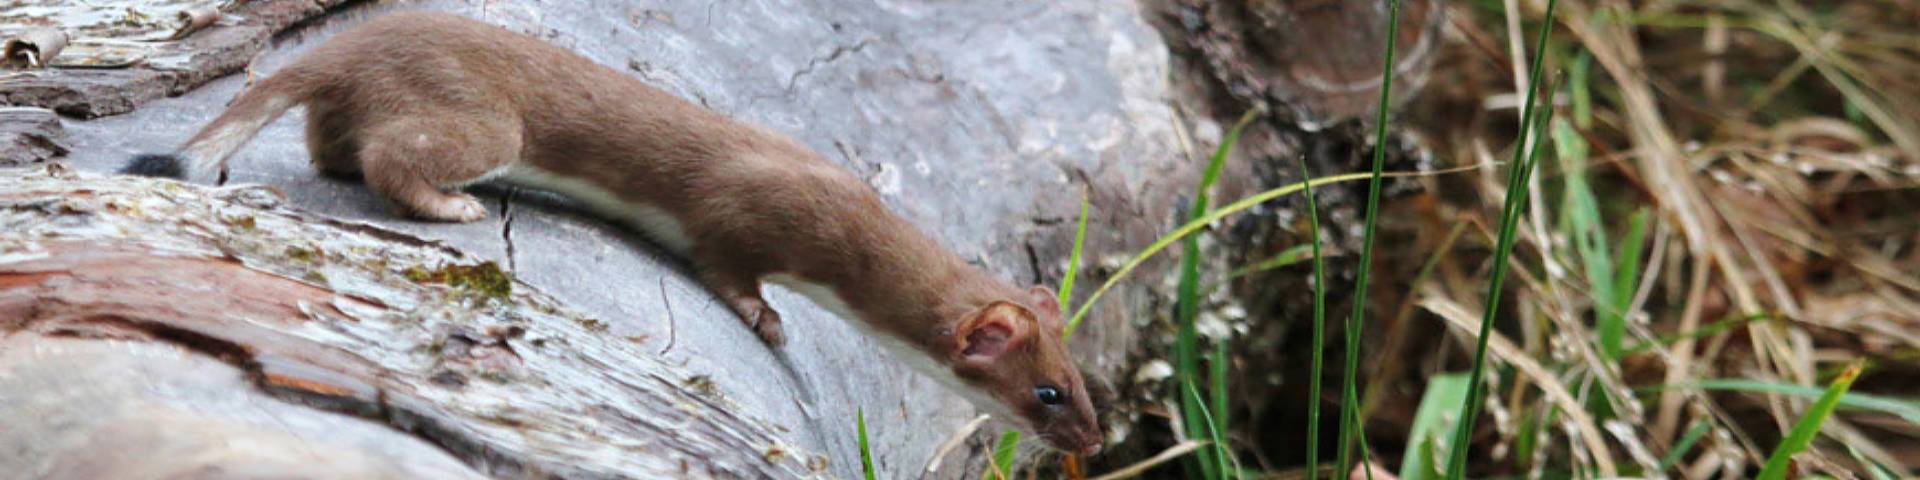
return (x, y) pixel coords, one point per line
(1661, 239)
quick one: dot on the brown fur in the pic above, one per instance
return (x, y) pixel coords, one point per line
(422, 104)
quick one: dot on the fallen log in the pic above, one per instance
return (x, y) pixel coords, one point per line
(153, 326)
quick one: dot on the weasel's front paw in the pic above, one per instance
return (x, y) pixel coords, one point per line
(766, 324)
(457, 208)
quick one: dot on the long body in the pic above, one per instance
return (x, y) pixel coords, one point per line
(421, 105)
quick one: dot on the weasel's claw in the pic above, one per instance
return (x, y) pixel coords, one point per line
(766, 324)
(744, 299)
(452, 208)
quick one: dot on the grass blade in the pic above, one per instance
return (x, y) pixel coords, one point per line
(1906, 408)
(1809, 425)
(1214, 215)
(1680, 449)
(1470, 409)
(1516, 191)
(1286, 258)
(1588, 233)
(866, 453)
(1219, 420)
(1350, 403)
(1626, 273)
(1214, 434)
(1186, 352)
(1003, 455)
(1073, 261)
(1578, 83)
(1319, 326)
(1444, 392)
(1714, 328)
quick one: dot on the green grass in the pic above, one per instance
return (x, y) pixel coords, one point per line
(1907, 409)
(1443, 393)
(1319, 324)
(866, 452)
(1519, 171)
(1010, 440)
(1194, 226)
(1208, 419)
(1073, 262)
(1286, 258)
(1352, 428)
(1588, 232)
(1578, 82)
(1470, 408)
(1204, 419)
(1611, 275)
(1715, 328)
(1216, 436)
(1003, 453)
(1680, 449)
(1208, 462)
(1803, 432)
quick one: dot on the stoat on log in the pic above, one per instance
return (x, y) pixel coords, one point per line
(423, 104)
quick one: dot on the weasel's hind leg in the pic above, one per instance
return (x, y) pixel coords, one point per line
(420, 162)
(741, 293)
(331, 143)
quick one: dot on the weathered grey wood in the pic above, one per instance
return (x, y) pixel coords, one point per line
(90, 409)
(30, 135)
(161, 67)
(251, 309)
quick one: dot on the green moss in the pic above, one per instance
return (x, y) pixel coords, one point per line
(485, 279)
(244, 223)
(303, 254)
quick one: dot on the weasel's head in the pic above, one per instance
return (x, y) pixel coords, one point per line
(1011, 350)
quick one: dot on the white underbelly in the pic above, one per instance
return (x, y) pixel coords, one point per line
(913, 357)
(655, 222)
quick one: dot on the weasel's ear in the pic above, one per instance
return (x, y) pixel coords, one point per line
(1048, 302)
(991, 332)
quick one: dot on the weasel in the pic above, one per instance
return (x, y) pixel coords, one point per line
(420, 105)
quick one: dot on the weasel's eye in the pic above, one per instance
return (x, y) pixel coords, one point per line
(1050, 395)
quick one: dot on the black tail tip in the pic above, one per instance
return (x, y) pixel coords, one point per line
(155, 165)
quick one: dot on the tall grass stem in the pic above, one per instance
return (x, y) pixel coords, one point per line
(1349, 404)
(1509, 218)
(1319, 325)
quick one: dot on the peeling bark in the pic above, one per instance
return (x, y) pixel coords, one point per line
(204, 50)
(30, 135)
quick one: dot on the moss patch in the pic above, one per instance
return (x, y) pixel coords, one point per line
(485, 279)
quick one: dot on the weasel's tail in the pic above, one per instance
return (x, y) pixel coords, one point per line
(205, 155)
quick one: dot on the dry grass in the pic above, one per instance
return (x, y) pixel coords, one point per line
(1776, 149)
